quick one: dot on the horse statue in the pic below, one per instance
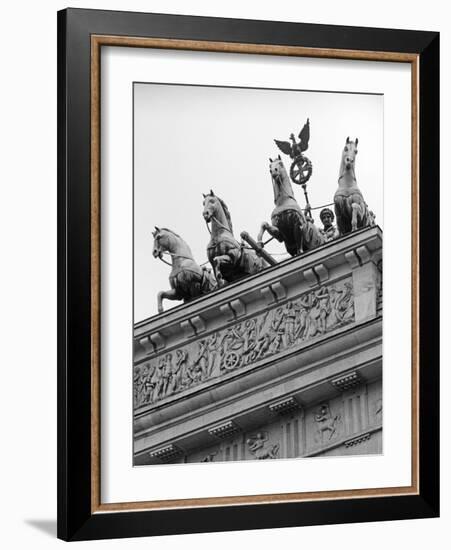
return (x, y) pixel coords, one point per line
(288, 222)
(351, 210)
(230, 259)
(188, 279)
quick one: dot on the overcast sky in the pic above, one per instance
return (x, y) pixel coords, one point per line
(190, 139)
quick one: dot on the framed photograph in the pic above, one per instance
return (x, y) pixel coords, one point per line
(248, 274)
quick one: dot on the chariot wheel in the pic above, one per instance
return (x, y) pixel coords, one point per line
(301, 170)
(231, 361)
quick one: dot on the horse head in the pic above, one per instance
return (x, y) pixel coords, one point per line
(348, 156)
(280, 180)
(277, 170)
(215, 209)
(162, 241)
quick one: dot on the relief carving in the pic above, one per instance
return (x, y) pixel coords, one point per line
(311, 315)
(377, 409)
(326, 424)
(259, 446)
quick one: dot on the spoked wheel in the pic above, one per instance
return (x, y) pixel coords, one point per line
(301, 170)
(231, 361)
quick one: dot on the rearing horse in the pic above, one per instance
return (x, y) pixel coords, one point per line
(288, 222)
(230, 260)
(351, 209)
(187, 279)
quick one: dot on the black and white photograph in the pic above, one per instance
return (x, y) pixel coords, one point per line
(257, 273)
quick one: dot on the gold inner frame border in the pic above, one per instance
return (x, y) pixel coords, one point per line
(97, 41)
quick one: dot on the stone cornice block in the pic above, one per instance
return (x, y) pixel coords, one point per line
(279, 291)
(357, 440)
(224, 430)
(187, 328)
(239, 307)
(267, 294)
(227, 312)
(310, 277)
(146, 344)
(358, 257)
(284, 406)
(347, 381)
(321, 272)
(166, 453)
(157, 340)
(352, 259)
(364, 254)
(198, 324)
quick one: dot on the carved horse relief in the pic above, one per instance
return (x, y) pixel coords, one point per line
(230, 259)
(188, 279)
(288, 222)
(351, 209)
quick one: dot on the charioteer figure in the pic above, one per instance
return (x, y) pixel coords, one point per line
(329, 230)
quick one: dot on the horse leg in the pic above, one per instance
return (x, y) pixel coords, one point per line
(218, 261)
(169, 295)
(271, 229)
(356, 210)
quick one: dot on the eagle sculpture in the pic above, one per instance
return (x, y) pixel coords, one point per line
(297, 148)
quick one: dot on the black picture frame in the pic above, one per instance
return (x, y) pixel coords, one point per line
(76, 518)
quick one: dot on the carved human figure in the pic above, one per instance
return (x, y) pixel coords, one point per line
(262, 338)
(335, 295)
(250, 335)
(167, 374)
(175, 375)
(313, 314)
(302, 308)
(290, 324)
(199, 368)
(137, 386)
(278, 330)
(258, 446)
(158, 380)
(262, 346)
(144, 391)
(326, 424)
(322, 295)
(345, 306)
(148, 384)
(213, 344)
(184, 373)
(329, 231)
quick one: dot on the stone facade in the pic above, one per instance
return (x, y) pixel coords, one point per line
(284, 363)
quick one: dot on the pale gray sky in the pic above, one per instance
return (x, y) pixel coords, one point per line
(188, 139)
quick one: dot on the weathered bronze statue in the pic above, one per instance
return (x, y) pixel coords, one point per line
(329, 230)
(288, 222)
(230, 259)
(187, 279)
(351, 209)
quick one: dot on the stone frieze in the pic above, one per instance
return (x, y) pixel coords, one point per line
(307, 317)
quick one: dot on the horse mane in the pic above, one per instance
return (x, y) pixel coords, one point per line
(170, 231)
(226, 212)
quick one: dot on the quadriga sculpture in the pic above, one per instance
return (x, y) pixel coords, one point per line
(188, 279)
(288, 222)
(230, 259)
(351, 209)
